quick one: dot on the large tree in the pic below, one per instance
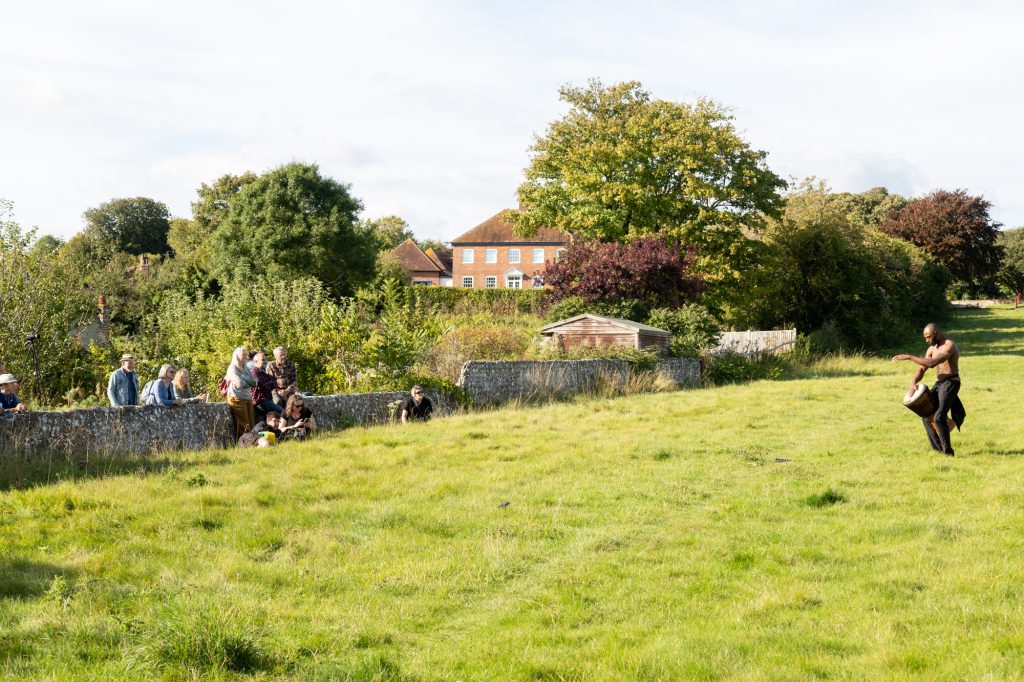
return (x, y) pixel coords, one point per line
(1011, 270)
(621, 164)
(389, 231)
(293, 222)
(954, 228)
(214, 200)
(136, 225)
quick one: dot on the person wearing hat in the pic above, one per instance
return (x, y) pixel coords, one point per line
(8, 399)
(123, 388)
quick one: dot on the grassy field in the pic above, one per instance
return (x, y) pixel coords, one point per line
(791, 529)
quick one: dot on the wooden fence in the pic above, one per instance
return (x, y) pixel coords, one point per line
(754, 342)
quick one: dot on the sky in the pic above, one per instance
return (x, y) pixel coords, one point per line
(428, 109)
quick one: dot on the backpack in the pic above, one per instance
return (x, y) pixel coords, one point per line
(224, 387)
(147, 392)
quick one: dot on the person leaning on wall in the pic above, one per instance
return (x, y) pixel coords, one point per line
(9, 403)
(240, 383)
(416, 407)
(123, 388)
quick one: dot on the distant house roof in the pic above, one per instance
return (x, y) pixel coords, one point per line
(498, 230)
(442, 259)
(412, 258)
(614, 321)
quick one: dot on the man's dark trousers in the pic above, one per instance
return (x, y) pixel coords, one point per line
(945, 395)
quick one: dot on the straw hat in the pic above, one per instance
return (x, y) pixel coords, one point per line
(8, 379)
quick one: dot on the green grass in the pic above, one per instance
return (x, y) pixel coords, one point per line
(790, 529)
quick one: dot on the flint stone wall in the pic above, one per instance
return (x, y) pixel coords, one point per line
(493, 382)
(77, 434)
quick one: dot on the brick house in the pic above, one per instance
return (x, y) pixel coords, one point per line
(425, 268)
(492, 256)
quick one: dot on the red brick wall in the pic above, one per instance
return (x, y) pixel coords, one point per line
(479, 268)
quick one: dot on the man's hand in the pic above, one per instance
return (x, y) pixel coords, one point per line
(901, 356)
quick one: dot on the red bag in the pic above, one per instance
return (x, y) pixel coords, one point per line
(224, 387)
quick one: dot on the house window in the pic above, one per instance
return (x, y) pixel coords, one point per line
(514, 281)
(538, 255)
(558, 254)
(467, 282)
(490, 255)
(513, 255)
(490, 282)
(467, 256)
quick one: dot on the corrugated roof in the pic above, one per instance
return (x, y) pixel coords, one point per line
(618, 322)
(413, 259)
(498, 230)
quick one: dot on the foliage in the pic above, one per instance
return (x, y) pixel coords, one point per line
(478, 337)
(289, 223)
(571, 306)
(954, 228)
(695, 331)
(868, 208)
(647, 270)
(46, 245)
(137, 225)
(436, 244)
(37, 298)
(213, 204)
(388, 232)
(621, 164)
(820, 267)
(496, 301)
(732, 368)
(1011, 269)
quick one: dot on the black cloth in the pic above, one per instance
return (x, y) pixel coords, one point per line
(251, 438)
(945, 395)
(423, 411)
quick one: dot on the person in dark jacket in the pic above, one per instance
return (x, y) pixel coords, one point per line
(416, 407)
(263, 394)
(123, 388)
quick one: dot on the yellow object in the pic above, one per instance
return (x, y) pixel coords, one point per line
(270, 436)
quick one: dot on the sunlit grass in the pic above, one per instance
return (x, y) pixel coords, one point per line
(777, 530)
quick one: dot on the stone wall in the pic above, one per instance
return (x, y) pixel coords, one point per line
(78, 434)
(490, 383)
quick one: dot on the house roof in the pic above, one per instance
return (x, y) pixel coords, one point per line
(498, 230)
(413, 259)
(442, 259)
(614, 321)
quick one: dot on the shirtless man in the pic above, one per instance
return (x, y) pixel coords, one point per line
(944, 356)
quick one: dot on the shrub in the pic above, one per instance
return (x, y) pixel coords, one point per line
(478, 342)
(732, 368)
(695, 331)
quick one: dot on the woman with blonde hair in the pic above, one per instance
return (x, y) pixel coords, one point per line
(183, 387)
(240, 383)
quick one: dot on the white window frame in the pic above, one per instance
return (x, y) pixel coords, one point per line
(538, 255)
(490, 282)
(467, 282)
(467, 256)
(517, 279)
(515, 256)
(490, 255)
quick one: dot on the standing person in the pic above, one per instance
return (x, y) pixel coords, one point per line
(161, 392)
(285, 377)
(9, 395)
(123, 388)
(183, 387)
(299, 421)
(416, 406)
(944, 356)
(240, 384)
(263, 394)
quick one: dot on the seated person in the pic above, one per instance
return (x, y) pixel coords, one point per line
(161, 391)
(285, 376)
(298, 419)
(264, 434)
(416, 406)
(263, 393)
(8, 395)
(183, 388)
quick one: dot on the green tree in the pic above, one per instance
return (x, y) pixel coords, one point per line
(47, 245)
(212, 206)
(621, 164)
(1011, 270)
(388, 232)
(136, 226)
(289, 223)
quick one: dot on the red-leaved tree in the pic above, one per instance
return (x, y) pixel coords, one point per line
(956, 230)
(647, 270)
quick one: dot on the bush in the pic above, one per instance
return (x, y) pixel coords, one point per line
(478, 342)
(695, 331)
(733, 368)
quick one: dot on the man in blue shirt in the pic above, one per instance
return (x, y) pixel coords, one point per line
(123, 388)
(8, 398)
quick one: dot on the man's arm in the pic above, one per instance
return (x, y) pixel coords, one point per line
(929, 361)
(110, 390)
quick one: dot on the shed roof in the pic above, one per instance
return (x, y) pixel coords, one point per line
(614, 321)
(498, 230)
(412, 258)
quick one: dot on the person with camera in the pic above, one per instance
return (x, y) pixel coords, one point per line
(299, 421)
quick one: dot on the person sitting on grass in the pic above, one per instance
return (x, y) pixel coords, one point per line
(264, 434)
(183, 388)
(8, 395)
(416, 407)
(298, 419)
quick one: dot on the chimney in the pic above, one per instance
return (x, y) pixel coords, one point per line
(144, 264)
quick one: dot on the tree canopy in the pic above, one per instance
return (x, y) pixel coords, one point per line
(621, 164)
(136, 225)
(955, 229)
(389, 231)
(293, 222)
(1011, 270)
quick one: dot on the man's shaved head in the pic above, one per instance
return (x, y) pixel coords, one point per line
(931, 328)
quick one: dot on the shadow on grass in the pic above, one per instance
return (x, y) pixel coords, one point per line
(17, 475)
(983, 332)
(1008, 453)
(28, 579)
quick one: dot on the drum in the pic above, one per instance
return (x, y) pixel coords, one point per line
(920, 403)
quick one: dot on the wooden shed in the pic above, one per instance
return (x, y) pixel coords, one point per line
(597, 330)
